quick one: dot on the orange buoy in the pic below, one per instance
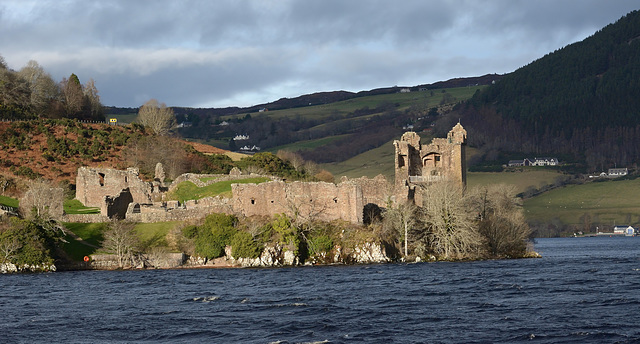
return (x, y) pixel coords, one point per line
(86, 258)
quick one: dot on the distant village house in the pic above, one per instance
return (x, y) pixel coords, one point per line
(617, 172)
(534, 162)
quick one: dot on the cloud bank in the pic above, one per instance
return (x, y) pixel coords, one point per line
(240, 53)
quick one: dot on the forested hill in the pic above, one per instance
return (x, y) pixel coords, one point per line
(581, 99)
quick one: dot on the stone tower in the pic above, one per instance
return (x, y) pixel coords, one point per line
(442, 159)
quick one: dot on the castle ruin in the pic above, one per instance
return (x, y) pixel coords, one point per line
(123, 194)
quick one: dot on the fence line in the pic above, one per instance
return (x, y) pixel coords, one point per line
(8, 120)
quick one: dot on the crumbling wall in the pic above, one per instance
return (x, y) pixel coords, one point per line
(85, 218)
(116, 206)
(173, 211)
(377, 190)
(93, 184)
(307, 200)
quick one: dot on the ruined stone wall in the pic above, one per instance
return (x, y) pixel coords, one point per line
(172, 211)
(85, 218)
(445, 157)
(377, 190)
(116, 206)
(310, 201)
(93, 184)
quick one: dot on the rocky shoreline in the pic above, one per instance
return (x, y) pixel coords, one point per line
(272, 256)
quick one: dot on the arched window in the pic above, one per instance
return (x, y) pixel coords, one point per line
(431, 160)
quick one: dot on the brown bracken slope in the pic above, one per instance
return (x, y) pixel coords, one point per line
(54, 150)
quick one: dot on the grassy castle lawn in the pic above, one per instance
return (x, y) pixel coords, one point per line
(9, 202)
(189, 191)
(150, 235)
(72, 206)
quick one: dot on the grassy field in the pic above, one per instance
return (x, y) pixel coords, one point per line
(150, 235)
(74, 206)
(188, 191)
(9, 202)
(70, 206)
(306, 145)
(521, 180)
(405, 100)
(154, 234)
(609, 203)
(370, 163)
(89, 232)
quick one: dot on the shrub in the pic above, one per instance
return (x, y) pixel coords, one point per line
(205, 246)
(320, 244)
(190, 232)
(244, 246)
(287, 233)
(24, 171)
(216, 233)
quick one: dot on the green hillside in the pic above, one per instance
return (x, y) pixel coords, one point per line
(328, 132)
(401, 102)
(370, 164)
(601, 204)
(582, 100)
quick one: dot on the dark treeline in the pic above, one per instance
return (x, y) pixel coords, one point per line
(583, 100)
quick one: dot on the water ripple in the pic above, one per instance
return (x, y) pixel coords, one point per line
(581, 291)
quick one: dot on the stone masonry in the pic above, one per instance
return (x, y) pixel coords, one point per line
(93, 184)
(441, 160)
(311, 200)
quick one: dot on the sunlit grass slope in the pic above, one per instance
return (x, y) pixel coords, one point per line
(609, 202)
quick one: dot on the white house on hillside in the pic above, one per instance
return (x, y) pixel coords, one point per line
(534, 162)
(617, 172)
(544, 162)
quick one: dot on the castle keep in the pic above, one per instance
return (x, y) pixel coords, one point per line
(417, 164)
(123, 194)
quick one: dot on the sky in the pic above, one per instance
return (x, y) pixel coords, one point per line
(218, 53)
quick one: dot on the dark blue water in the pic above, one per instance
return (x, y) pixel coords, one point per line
(583, 290)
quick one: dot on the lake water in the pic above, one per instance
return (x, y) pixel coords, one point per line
(583, 290)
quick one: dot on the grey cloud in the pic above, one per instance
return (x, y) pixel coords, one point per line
(210, 52)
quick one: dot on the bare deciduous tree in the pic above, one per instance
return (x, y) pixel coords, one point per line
(13, 89)
(156, 116)
(147, 152)
(500, 220)
(42, 200)
(450, 229)
(9, 246)
(294, 158)
(43, 88)
(91, 95)
(121, 240)
(401, 218)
